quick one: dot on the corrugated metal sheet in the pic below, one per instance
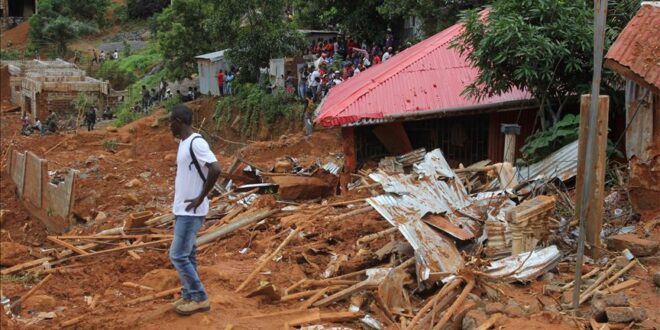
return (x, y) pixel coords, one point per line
(638, 46)
(560, 164)
(524, 267)
(215, 56)
(425, 77)
(410, 197)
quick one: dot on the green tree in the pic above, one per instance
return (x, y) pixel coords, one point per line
(60, 21)
(263, 33)
(434, 14)
(542, 46)
(183, 33)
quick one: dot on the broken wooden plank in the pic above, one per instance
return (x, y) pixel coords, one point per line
(137, 286)
(375, 236)
(352, 213)
(72, 321)
(442, 293)
(239, 222)
(154, 296)
(364, 285)
(490, 322)
(622, 286)
(67, 245)
(445, 317)
(320, 293)
(111, 237)
(265, 261)
(25, 265)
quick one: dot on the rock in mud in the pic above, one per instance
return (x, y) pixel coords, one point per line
(133, 183)
(638, 246)
(494, 307)
(13, 254)
(625, 314)
(473, 319)
(101, 216)
(656, 279)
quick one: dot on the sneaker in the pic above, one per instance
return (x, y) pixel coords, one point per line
(191, 307)
(179, 302)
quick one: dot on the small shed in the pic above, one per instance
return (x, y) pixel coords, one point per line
(208, 66)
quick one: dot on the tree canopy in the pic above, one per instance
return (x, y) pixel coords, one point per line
(255, 31)
(60, 21)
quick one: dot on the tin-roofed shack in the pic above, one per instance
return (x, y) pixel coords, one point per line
(634, 55)
(208, 66)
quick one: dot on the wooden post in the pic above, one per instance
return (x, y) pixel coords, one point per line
(591, 146)
(510, 132)
(594, 218)
(350, 156)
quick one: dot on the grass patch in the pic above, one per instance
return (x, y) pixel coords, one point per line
(25, 279)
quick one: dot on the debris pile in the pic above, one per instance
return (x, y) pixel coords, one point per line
(414, 244)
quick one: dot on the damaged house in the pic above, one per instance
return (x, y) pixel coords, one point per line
(634, 55)
(41, 86)
(415, 100)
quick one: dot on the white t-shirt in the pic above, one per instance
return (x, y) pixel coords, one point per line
(188, 184)
(312, 78)
(386, 56)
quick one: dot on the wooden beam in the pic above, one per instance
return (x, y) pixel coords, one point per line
(364, 285)
(67, 245)
(154, 296)
(32, 291)
(25, 265)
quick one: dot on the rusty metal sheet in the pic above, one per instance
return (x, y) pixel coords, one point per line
(410, 197)
(561, 164)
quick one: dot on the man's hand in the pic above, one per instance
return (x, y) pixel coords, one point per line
(194, 203)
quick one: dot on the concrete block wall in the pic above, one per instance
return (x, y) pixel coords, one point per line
(51, 203)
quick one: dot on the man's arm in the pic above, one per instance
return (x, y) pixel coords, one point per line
(212, 177)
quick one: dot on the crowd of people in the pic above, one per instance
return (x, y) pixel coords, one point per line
(102, 57)
(327, 72)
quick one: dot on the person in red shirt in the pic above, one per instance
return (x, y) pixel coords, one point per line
(376, 59)
(221, 82)
(329, 48)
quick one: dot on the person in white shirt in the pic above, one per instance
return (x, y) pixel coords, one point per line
(197, 170)
(387, 54)
(314, 81)
(115, 55)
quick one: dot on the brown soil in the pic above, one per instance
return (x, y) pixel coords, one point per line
(17, 37)
(225, 263)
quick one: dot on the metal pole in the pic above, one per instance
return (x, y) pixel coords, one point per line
(600, 13)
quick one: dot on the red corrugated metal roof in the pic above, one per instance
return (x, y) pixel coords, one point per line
(638, 46)
(427, 76)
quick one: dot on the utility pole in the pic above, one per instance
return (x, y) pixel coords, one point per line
(600, 13)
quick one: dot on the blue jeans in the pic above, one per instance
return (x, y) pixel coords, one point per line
(183, 256)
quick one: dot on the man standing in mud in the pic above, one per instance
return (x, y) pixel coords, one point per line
(196, 173)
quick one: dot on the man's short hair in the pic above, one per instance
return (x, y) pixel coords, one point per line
(182, 113)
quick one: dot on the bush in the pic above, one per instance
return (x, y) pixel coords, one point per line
(145, 8)
(255, 104)
(9, 54)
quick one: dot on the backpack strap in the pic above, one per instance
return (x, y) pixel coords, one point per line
(194, 160)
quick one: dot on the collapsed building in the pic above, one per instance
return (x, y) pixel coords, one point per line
(42, 86)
